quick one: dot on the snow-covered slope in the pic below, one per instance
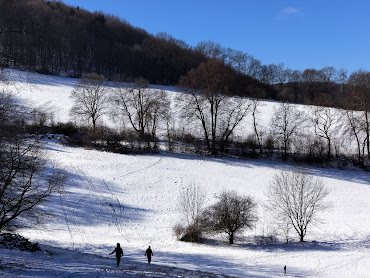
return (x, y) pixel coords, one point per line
(133, 199)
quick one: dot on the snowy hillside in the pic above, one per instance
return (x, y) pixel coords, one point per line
(52, 93)
(133, 199)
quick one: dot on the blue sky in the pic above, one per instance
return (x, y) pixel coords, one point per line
(301, 34)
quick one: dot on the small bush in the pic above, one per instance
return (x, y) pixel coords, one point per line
(68, 129)
(11, 241)
(192, 233)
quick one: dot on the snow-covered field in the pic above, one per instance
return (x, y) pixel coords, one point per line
(132, 199)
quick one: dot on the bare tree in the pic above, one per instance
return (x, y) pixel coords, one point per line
(237, 59)
(207, 102)
(282, 75)
(42, 116)
(170, 129)
(231, 214)
(24, 183)
(353, 126)
(191, 202)
(252, 67)
(211, 49)
(268, 74)
(359, 92)
(329, 74)
(312, 79)
(285, 228)
(294, 82)
(298, 197)
(324, 119)
(141, 106)
(90, 98)
(285, 124)
(342, 77)
(258, 134)
(171, 39)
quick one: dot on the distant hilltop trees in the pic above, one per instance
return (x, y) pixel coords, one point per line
(51, 37)
(54, 38)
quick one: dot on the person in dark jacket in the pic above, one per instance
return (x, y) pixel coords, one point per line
(119, 253)
(149, 254)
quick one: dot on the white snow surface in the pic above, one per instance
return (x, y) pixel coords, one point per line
(133, 200)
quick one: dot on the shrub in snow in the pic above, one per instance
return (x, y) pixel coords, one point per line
(11, 241)
(192, 233)
(191, 201)
(232, 213)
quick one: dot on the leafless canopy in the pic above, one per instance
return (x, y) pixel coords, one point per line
(24, 181)
(324, 119)
(298, 197)
(359, 93)
(286, 124)
(192, 200)
(90, 98)
(207, 102)
(140, 106)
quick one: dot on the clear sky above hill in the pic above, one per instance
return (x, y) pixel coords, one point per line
(299, 33)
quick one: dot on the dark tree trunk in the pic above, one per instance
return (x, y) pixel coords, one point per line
(231, 238)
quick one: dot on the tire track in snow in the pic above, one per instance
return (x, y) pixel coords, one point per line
(70, 216)
(117, 213)
(114, 196)
(334, 266)
(138, 170)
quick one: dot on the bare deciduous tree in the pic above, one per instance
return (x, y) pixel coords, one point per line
(312, 79)
(211, 49)
(299, 197)
(191, 203)
(258, 134)
(285, 124)
(252, 67)
(231, 214)
(282, 75)
(354, 127)
(207, 102)
(141, 106)
(360, 100)
(24, 181)
(294, 83)
(237, 59)
(268, 74)
(324, 119)
(90, 98)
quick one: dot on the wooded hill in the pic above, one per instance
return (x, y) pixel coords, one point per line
(53, 38)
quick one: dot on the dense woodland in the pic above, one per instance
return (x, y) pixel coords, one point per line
(53, 38)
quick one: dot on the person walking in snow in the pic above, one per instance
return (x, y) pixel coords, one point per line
(119, 253)
(284, 269)
(149, 254)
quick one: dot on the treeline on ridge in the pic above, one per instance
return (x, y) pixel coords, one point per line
(51, 37)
